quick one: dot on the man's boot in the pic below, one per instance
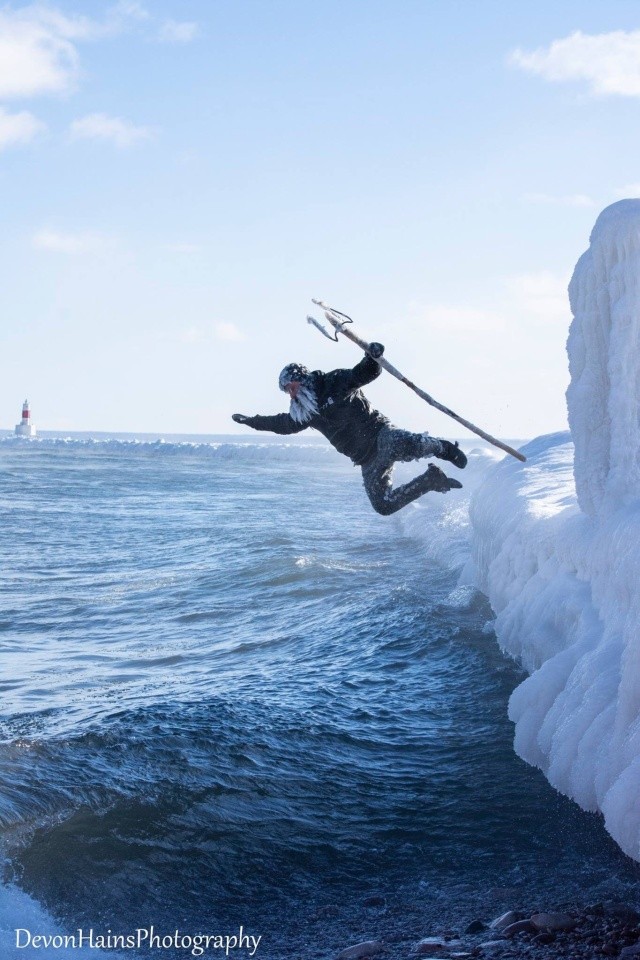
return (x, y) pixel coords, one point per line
(452, 453)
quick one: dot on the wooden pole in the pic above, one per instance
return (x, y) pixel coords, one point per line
(342, 328)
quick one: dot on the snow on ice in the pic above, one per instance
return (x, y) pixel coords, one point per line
(556, 548)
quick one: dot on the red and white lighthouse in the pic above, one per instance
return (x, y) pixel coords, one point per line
(25, 428)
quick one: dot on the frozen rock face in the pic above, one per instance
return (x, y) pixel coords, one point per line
(556, 546)
(604, 360)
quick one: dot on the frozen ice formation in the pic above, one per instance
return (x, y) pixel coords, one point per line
(556, 548)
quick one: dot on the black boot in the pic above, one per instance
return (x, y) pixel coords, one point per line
(435, 479)
(453, 454)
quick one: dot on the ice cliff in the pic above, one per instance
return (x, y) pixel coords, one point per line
(556, 548)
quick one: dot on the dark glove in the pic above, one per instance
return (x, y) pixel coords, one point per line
(375, 350)
(239, 418)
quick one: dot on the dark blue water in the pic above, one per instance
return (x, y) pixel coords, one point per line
(234, 694)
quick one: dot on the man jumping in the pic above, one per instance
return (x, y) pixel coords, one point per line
(334, 404)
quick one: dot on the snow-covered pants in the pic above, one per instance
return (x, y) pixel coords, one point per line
(377, 473)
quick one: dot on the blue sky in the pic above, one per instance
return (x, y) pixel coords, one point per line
(178, 179)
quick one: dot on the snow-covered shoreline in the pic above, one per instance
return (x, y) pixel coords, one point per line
(556, 548)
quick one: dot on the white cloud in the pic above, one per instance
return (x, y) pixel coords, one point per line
(129, 10)
(228, 332)
(190, 335)
(172, 31)
(36, 52)
(186, 248)
(38, 56)
(99, 126)
(38, 43)
(609, 62)
(462, 319)
(453, 319)
(70, 243)
(50, 19)
(569, 200)
(629, 190)
(16, 128)
(542, 295)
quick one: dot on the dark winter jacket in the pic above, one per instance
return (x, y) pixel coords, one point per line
(346, 418)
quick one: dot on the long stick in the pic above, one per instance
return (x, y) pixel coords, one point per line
(340, 327)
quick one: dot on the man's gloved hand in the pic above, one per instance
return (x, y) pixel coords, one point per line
(239, 417)
(375, 350)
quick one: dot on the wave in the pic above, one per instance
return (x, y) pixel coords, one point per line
(441, 523)
(223, 449)
(20, 911)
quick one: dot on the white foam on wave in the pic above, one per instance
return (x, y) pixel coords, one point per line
(339, 566)
(223, 449)
(556, 545)
(20, 912)
(440, 522)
